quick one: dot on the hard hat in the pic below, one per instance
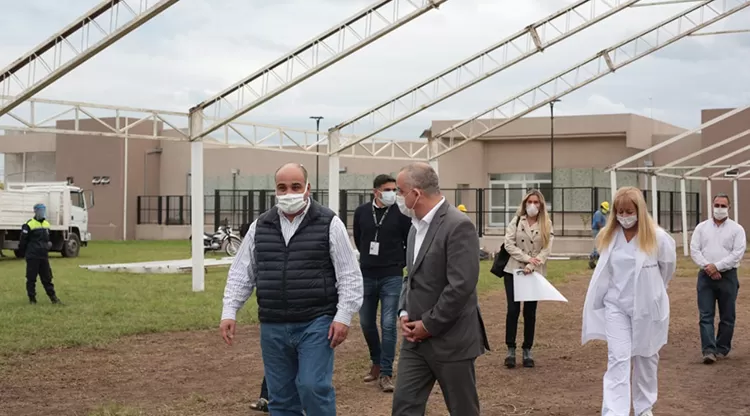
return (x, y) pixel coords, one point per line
(605, 205)
(461, 207)
(39, 206)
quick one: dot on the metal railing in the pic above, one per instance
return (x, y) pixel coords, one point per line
(489, 208)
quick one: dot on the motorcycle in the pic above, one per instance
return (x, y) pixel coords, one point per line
(224, 238)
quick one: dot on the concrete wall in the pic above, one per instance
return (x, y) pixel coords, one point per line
(39, 167)
(83, 157)
(716, 133)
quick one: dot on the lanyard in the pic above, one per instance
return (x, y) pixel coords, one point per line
(379, 224)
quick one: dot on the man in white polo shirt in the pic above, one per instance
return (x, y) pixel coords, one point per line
(717, 247)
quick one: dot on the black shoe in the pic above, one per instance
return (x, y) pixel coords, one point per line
(261, 405)
(528, 361)
(55, 300)
(32, 300)
(709, 358)
(510, 358)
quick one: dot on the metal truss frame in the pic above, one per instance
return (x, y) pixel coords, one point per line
(127, 119)
(603, 63)
(99, 28)
(331, 46)
(533, 39)
(690, 171)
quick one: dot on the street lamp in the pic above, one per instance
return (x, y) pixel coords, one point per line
(317, 154)
(552, 150)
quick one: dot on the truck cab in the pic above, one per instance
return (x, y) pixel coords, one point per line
(67, 212)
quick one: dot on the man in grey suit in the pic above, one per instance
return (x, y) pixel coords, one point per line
(439, 313)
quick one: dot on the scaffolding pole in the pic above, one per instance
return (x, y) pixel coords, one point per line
(592, 69)
(47, 63)
(333, 45)
(533, 39)
(197, 209)
(683, 209)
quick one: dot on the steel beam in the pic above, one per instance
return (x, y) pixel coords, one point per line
(675, 164)
(720, 173)
(38, 115)
(531, 40)
(680, 136)
(712, 164)
(590, 70)
(100, 27)
(333, 45)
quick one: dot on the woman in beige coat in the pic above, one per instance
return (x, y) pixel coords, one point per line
(528, 240)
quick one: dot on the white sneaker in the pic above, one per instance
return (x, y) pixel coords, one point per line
(647, 413)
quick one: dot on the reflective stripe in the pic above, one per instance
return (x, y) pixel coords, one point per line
(34, 224)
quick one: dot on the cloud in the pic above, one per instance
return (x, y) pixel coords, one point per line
(199, 47)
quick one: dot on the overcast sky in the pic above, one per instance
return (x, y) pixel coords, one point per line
(199, 47)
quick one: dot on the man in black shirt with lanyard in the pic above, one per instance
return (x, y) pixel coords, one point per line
(380, 234)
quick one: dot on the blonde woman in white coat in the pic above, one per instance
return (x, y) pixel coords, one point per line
(627, 303)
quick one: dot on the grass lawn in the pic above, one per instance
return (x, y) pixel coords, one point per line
(102, 306)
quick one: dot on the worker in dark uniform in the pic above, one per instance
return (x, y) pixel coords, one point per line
(35, 244)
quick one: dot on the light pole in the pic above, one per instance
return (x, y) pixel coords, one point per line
(552, 150)
(317, 155)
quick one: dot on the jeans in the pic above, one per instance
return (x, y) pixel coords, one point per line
(298, 363)
(386, 290)
(594, 253)
(724, 291)
(511, 319)
(264, 389)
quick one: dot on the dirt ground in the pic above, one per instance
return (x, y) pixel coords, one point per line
(196, 374)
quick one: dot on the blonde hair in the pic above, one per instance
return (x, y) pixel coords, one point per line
(545, 225)
(646, 226)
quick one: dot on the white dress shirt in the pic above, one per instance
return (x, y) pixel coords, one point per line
(241, 279)
(421, 227)
(721, 245)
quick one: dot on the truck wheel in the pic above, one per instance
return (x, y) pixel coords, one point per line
(72, 247)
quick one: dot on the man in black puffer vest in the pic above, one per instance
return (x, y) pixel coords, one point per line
(309, 286)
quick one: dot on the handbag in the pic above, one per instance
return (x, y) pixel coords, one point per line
(501, 258)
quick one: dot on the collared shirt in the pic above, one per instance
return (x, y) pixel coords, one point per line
(241, 279)
(421, 227)
(721, 245)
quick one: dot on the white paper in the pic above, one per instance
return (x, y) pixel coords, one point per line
(534, 287)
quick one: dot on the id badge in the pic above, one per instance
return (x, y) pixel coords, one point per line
(374, 248)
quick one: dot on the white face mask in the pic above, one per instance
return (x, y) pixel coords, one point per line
(627, 222)
(409, 212)
(532, 210)
(721, 213)
(388, 198)
(291, 203)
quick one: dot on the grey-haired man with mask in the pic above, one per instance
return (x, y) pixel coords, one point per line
(380, 234)
(300, 261)
(717, 247)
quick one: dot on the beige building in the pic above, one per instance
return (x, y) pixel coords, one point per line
(487, 175)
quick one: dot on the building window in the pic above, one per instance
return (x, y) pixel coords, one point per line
(507, 190)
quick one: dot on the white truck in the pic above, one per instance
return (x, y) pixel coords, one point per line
(67, 213)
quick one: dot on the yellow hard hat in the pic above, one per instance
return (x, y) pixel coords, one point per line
(605, 206)
(461, 208)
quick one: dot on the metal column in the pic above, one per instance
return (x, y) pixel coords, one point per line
(197, 215)
(334, 164)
